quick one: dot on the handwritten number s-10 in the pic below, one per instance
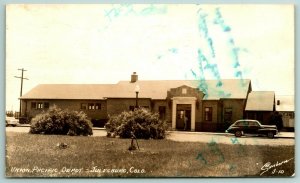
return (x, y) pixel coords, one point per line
(279, 171)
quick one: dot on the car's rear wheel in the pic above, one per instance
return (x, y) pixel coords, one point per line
(238, 133)
(270, 135)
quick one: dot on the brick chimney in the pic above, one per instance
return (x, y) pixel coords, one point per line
(134, 77)
(278, 102)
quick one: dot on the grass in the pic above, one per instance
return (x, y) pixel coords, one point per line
(29, 155)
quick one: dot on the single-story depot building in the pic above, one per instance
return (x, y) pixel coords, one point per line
(225, 101)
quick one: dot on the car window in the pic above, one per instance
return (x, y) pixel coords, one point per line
(242, 123)
(237, 124)
(253, 123)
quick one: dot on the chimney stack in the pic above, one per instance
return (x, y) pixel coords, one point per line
(134, 77)
(278, 102)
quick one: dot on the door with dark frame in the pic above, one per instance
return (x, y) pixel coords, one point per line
(183, 117)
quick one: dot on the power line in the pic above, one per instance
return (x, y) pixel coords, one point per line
(22, 78)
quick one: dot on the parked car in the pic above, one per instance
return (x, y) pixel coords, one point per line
(248, 126)
(11, 121)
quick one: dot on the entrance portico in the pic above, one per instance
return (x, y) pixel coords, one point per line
(183, 100)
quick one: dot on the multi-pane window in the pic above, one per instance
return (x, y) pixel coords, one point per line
(90, 106)
(208, 113)
(39, 105)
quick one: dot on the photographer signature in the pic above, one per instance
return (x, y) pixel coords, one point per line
(266, 167)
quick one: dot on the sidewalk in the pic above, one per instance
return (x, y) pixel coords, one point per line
(284, 138)
(279, 135)
(286, 135)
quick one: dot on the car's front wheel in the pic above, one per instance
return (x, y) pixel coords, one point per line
(238, 133)
(270, 135)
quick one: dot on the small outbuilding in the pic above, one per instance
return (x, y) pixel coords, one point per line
(285, 106)
(260, 106)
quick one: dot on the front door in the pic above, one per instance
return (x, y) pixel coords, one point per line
(183, 117)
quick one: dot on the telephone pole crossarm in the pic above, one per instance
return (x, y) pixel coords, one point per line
(22, 78)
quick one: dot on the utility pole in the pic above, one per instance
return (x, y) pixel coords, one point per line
(22, 78)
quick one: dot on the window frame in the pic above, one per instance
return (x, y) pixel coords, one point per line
(33, 105)
(97, 106)
(46, 105)
(208, 114)
(226, 116)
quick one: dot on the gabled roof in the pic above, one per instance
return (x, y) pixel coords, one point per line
(68, 91)
(287, 103)
(154, 89)
(260, 101)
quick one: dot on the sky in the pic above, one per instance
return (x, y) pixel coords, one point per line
(104, 43)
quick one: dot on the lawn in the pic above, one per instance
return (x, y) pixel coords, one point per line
(29, 155)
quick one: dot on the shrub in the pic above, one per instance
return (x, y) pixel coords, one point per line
(141, 122)
(61, 122)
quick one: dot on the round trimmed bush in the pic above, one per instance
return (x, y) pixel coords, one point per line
(140, 122)
(61, 122)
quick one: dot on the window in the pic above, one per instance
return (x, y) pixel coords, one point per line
(40, 105)
(97, 106)
(33, 105)
(162, 112)
(242, 123)
(90, 106)
(208, 113)
(252, 123)
(46, 105)
(184, 90)
(228, 115)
